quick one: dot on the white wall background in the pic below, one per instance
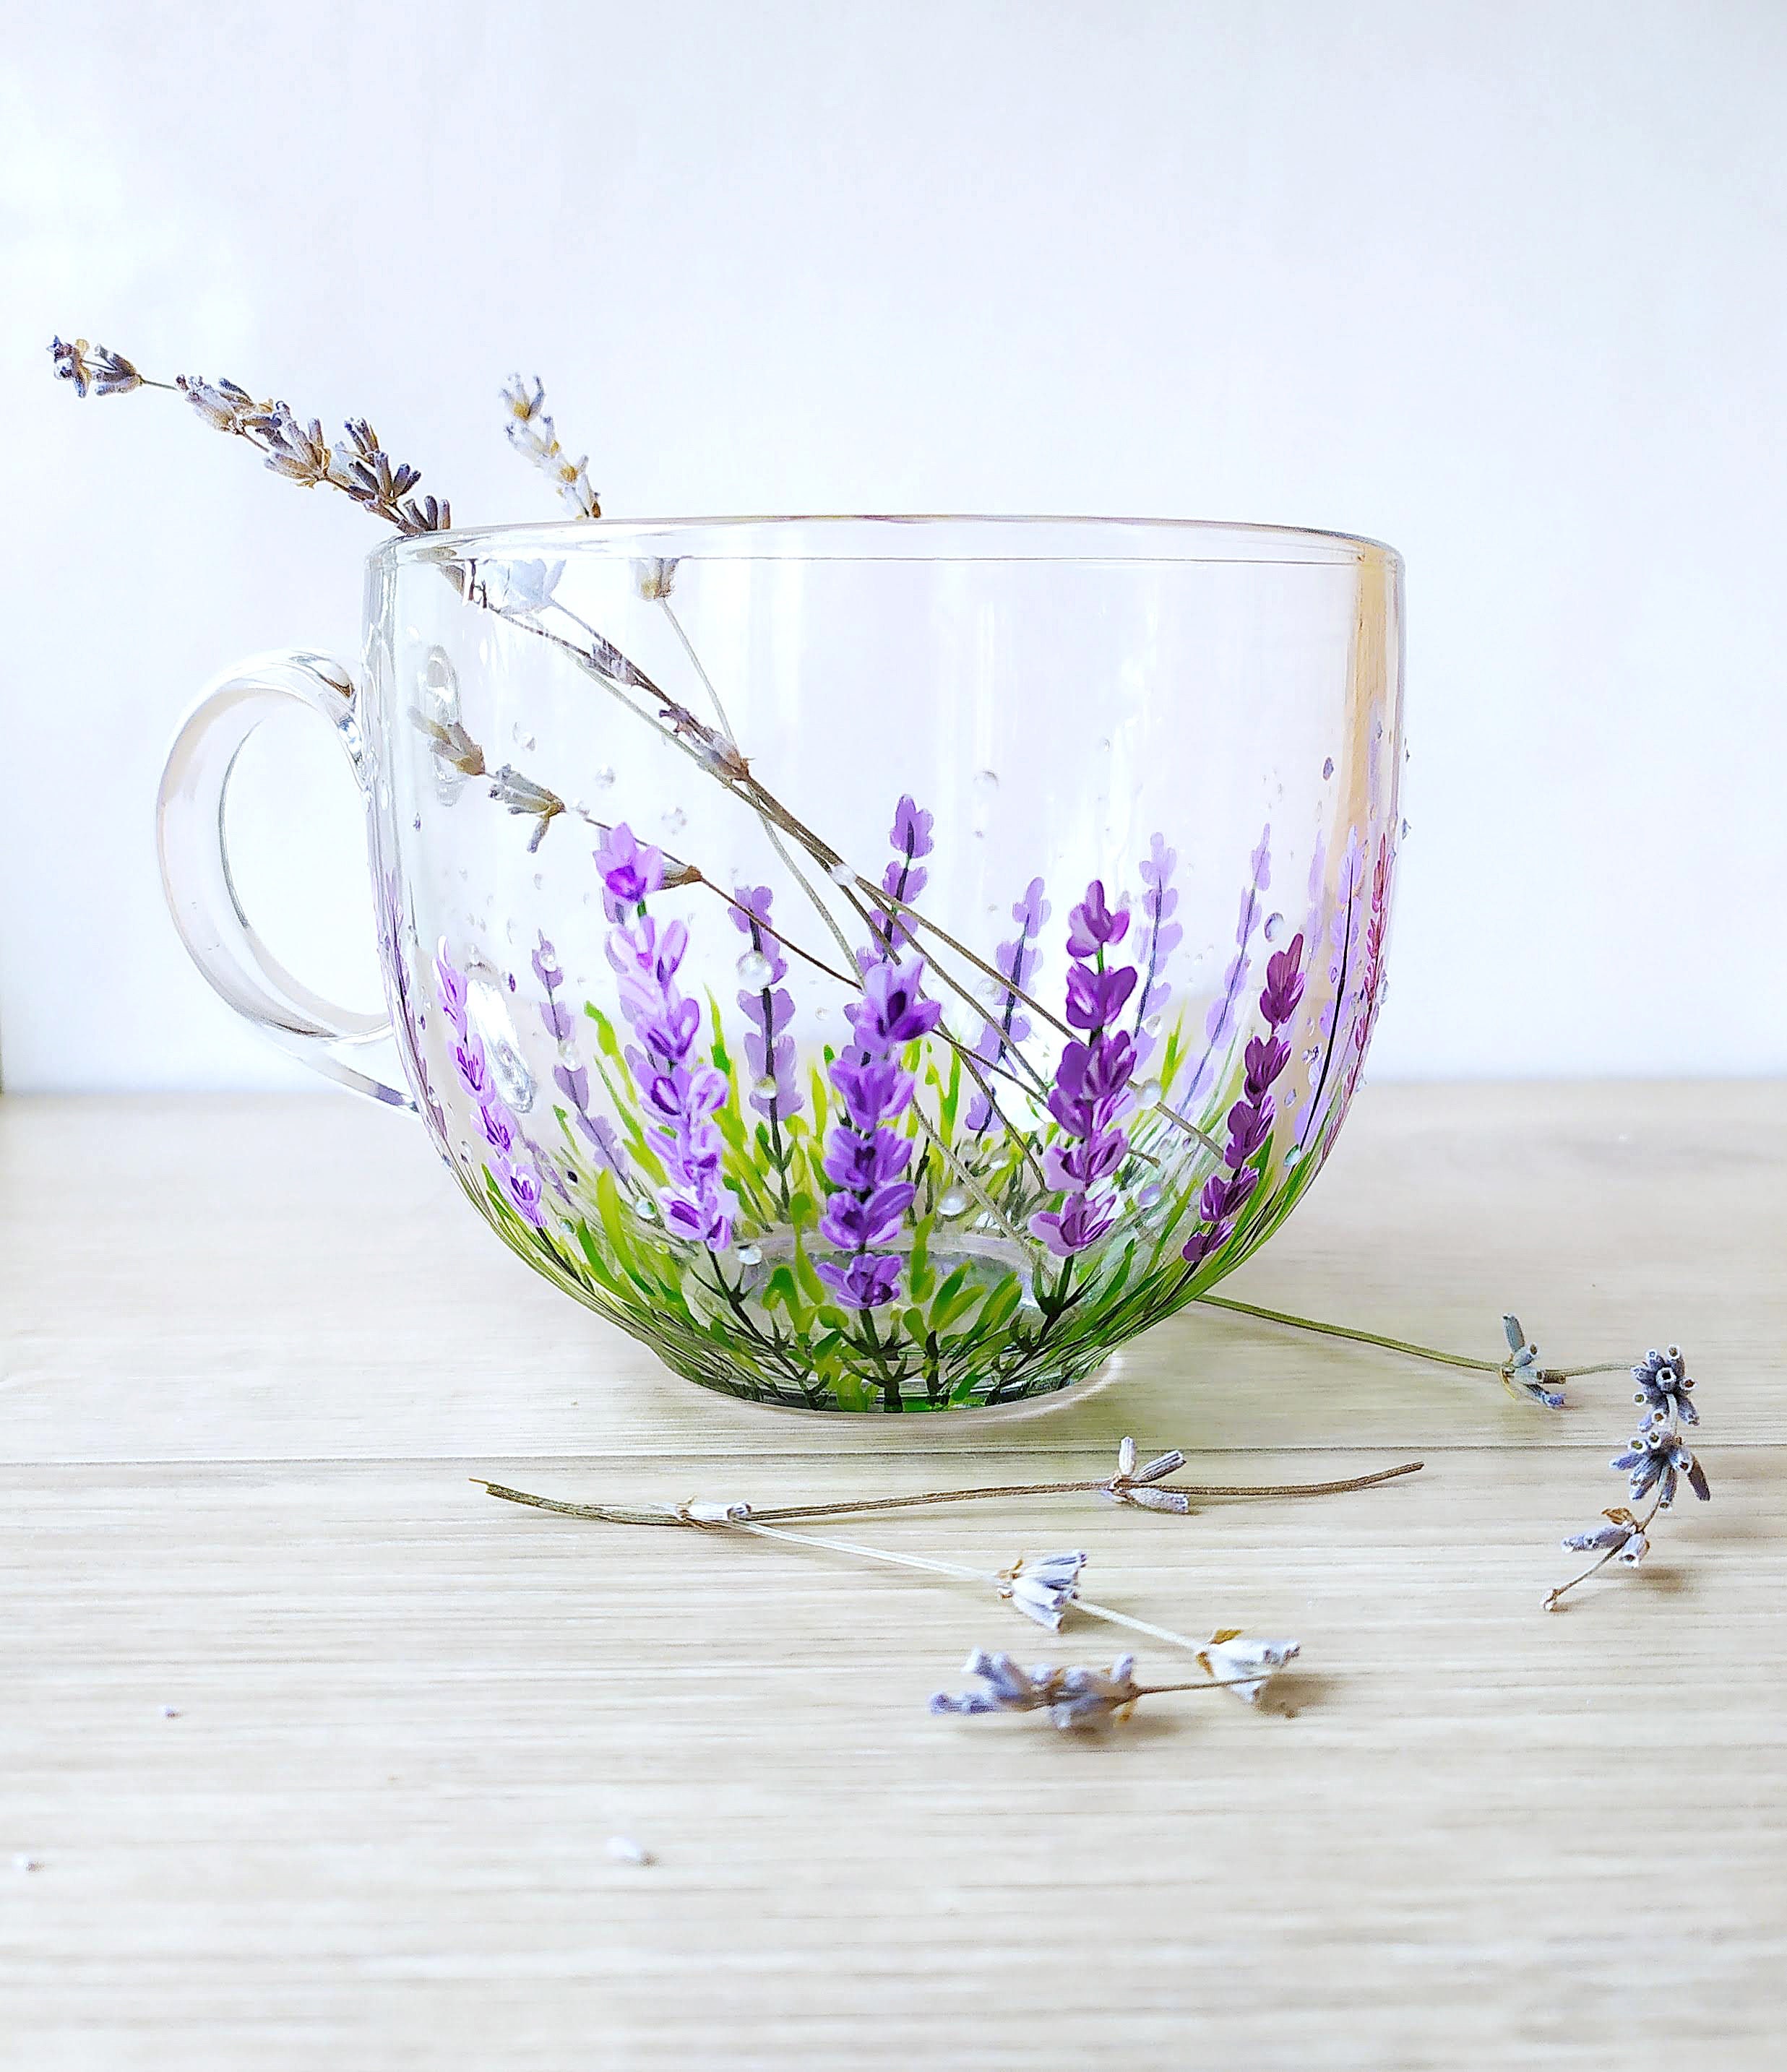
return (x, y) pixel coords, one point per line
(1504, 284)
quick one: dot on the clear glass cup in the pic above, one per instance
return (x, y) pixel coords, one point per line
(882, 964)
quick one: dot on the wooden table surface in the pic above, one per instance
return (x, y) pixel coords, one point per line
(251, 1349)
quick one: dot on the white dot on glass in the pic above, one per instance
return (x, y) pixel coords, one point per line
(952, 1203)
(1148, 1090)
(519, 734)
(1146, 1197)
(755, 970)
(602, 778)
(676, 820)
(645, 1209)
(539, 881)
(840, 874)
(749, 1254)
(764, 1088)
(986, 782)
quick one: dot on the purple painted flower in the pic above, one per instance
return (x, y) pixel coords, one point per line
(1345, 950)
(1095, 998)
(1250, 1119)
(1284, 983)
(1092, 1083)
(1082, 1220)
(863, 1155)
(863, 1163)
(869, 1280)
(547, 968)
(681, 1095)
(571, 1079)
(631, 870)
(905, 877)
(500, 1129)
(1016, 961)
(892, 1012)
(521, 1182)
(857, 1222)
(518, 1166)
(1266, 1058)
(1159, 903)
(450, 989)
(1219, 1023)
(873, 1092)
(1091, 1093)
(769, 1008)
(1093, 925)
(473, 1067)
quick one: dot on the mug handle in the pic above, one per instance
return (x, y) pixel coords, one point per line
(195, 864)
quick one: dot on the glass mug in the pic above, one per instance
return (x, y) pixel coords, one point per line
(882, 963)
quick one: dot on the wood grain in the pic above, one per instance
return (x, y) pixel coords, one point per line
(251, 1350)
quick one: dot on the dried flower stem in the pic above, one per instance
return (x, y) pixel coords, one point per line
(1640, 1529)
(1503, 1368)
(958, 1573)
(634, 1514)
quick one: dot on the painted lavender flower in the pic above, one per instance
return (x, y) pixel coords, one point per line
(1249, 1121)
(905, 877)
(1091, 1094)
(1220, 1022)
(1343, 961)
(1159, 903)
(511, 1161)
(769, 1007)
(681, 1096)
(866, 1158)
(571, 1077)
(1371, 974)
(1017, 961)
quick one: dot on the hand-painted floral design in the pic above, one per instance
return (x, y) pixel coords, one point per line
(1091, 1094)
(679, 1095)
(511, 1161)
(1008, 1030)
(1249, 1121)
(865, 1157)
(981, 1195)
(1219, 1023)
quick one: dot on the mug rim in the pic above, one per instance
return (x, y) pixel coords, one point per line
(1323, 541)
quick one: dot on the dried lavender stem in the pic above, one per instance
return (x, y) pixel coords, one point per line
(1344, 1331)
(631, 1514)
(958, 1573)
(1595, 1567)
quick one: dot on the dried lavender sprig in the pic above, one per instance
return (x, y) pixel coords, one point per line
(1520, 1376)
(97, 368)
(1077, 1697)
(1116, 1488)
(1046, 1606)
(531, 434)
(1655, 1462)
(364, 473)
